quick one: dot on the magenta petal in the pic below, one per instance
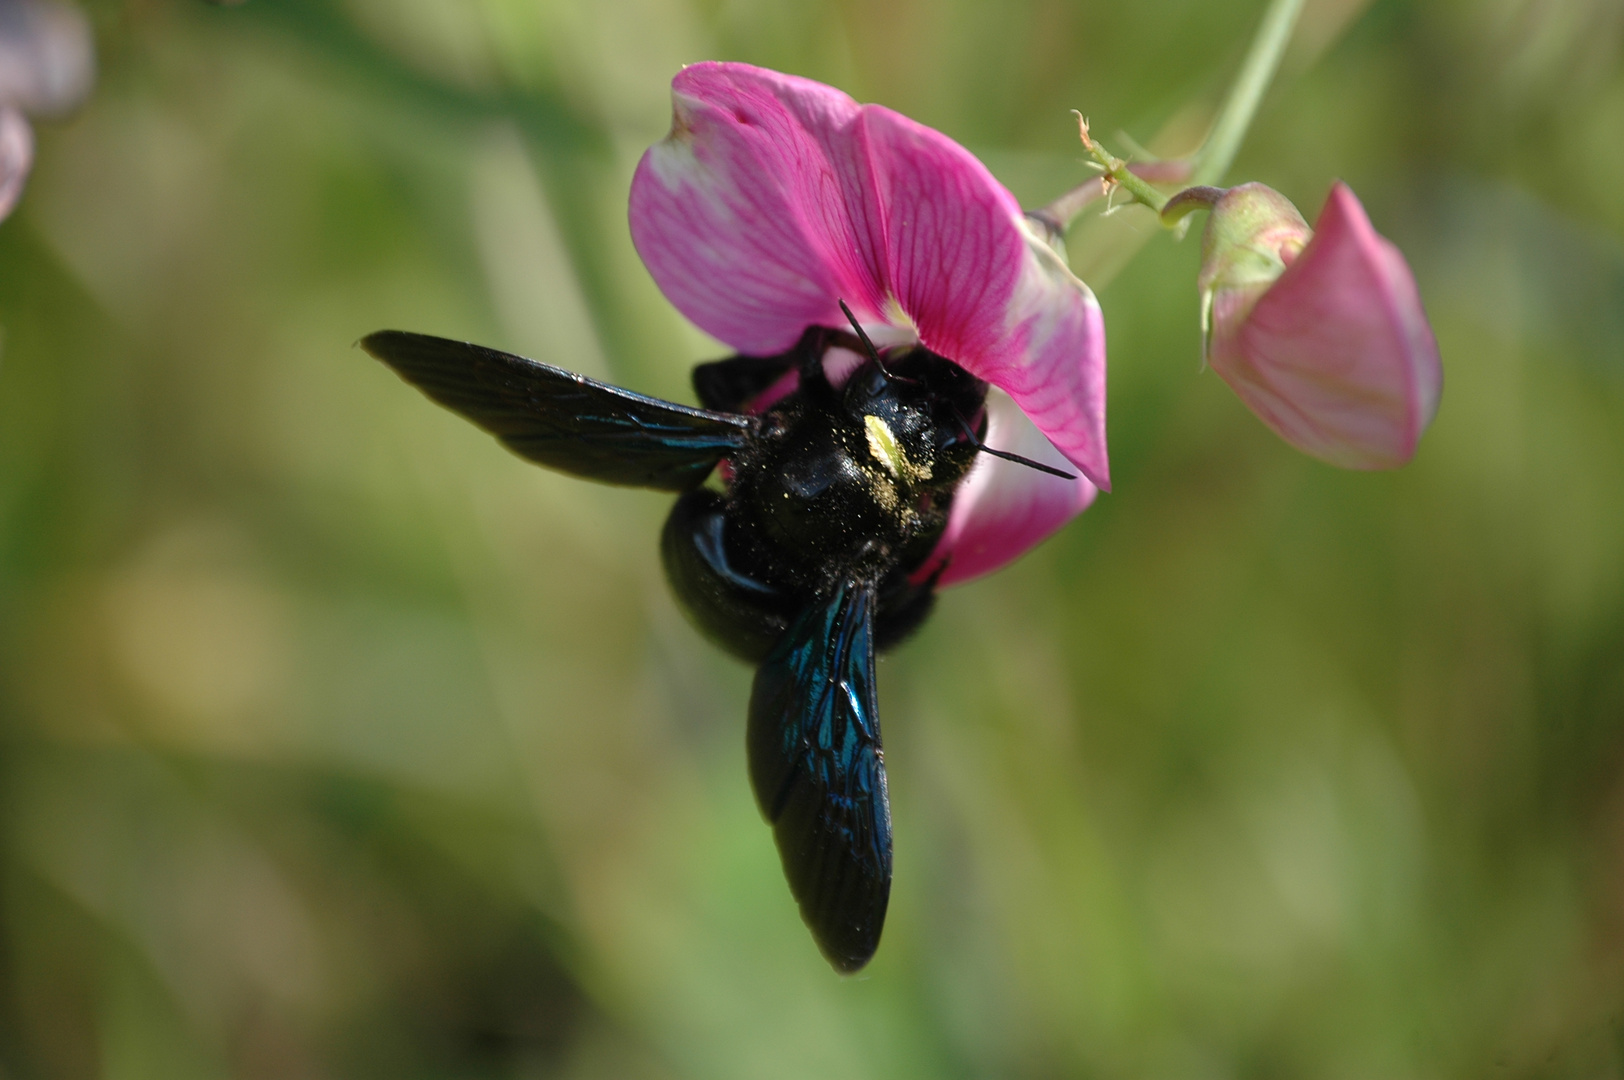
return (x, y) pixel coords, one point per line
(983, 290)
(1052, 362)
(1003, 509)
(1337, 356)
(742, 213)
(16, 157)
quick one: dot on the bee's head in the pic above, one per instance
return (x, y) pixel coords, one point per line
(920, 413)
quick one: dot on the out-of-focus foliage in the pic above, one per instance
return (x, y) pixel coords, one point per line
(334, 741)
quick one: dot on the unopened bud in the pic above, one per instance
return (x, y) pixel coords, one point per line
(1320, 332)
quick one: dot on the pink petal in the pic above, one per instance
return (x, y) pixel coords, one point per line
(775, 197)
(1003, 509)
(1337, 356)
(741, 214)
(16, 157)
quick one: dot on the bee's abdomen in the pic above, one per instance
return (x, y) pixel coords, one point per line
(732, 601)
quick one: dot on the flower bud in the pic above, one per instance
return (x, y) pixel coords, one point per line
(16, 157)
(47, 65)
(1320, 332)
(47, 58)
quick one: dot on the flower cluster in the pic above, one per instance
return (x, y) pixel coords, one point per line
(775, 198)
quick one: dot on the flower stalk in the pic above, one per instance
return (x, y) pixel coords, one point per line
(1058, 215)
(1217, 152)
(1117, 174)
(1235, 117)
(1191, 199)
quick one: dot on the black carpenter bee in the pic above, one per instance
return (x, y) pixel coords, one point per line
(806, 561)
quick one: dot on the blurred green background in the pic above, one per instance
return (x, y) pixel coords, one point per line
(337, 742)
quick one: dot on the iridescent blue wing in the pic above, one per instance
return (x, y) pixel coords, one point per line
(819, 774)
(563, 420)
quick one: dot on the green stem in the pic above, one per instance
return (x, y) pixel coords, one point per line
(1246, 93)
(1058, 215)
(1216, 154)
(1188, 201)
(1117, 172)
(1136, 186)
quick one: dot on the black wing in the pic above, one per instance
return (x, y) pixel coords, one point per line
(819, 774)
(563, 420)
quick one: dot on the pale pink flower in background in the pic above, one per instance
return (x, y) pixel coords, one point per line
(1320, 332)
(47, 66)
(774, 198)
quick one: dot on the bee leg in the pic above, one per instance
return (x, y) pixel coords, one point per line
(903, 607)
(732, 384)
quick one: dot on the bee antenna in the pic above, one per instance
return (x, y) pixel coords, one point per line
(1028, 462)
(868, 346)
(1005, 454)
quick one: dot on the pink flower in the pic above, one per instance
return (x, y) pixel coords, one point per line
(46, 67)
(774, 198)
(1320, 332)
